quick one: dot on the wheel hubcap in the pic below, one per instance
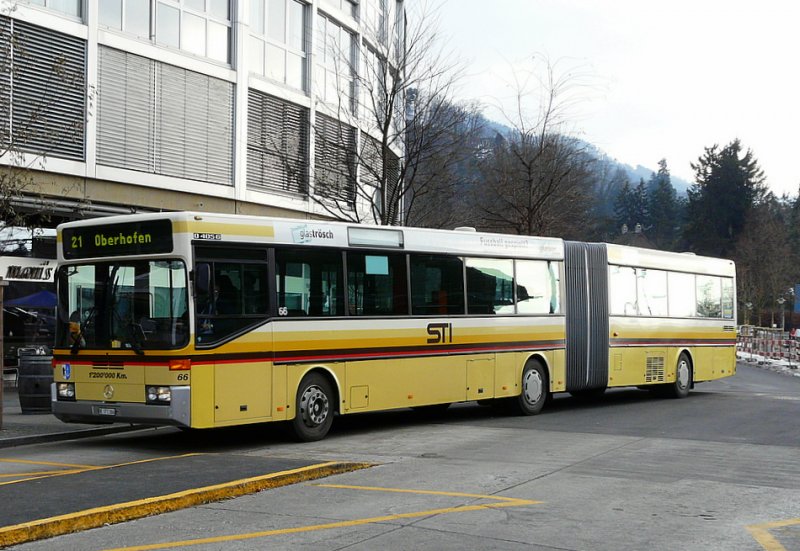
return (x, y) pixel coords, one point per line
(683, 374)
(314, 406)
(532, 386)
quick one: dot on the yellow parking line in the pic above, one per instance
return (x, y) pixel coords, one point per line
(501, 503)
(83, 468)
(34, 473)
(760, 533)
(426, 492)
(48, 463)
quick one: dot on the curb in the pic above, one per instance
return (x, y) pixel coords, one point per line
(122, 512)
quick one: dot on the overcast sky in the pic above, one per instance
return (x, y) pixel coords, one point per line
(667, 78)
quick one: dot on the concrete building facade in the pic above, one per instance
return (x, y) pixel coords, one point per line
(238, 106)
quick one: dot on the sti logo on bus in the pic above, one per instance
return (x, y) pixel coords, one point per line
(440, 333)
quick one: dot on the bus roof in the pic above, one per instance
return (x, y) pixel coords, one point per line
(237, 228)
(213, 227)
(624, 255)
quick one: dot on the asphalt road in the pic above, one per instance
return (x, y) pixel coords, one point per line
(718, 470)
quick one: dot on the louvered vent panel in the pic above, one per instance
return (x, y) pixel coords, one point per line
(5, 81)
(277, 144)
(49, 91)
(372, 174)
(334, 156)
(654, 371)
(125, 114)
(163, 119)
(220, 131)
(171, 135)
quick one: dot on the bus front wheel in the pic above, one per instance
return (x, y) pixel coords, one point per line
(534, 390)
(314, 408)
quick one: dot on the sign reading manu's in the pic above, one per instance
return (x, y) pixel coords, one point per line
(15, 268)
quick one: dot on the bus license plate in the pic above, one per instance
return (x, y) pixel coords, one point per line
(106, 411)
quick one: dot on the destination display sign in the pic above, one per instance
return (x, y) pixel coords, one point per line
(130, 238)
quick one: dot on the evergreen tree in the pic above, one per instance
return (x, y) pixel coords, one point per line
(664, 208)
(641, 212)
(623, 206)
(727, 186)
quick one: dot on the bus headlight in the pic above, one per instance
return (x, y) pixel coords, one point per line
(159, 394)
(66, 391)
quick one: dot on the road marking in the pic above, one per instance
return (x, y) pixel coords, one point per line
(501, 502)
(48, 463)
(37, 474)
(426, 492)
(81, 468)
(121, 512)
(760, 533)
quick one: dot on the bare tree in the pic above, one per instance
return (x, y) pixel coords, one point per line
(395, 120)
(539, 180)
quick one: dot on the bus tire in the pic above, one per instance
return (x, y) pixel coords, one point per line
(534, 390)
(683, 378)
(314, 408)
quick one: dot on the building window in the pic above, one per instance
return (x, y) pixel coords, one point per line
(199, 27)
(346, 6)
(163, 119)
(68, 7)
(375, 19)
(42, 90)
(336, 53)
(277, 46)
(277, 144)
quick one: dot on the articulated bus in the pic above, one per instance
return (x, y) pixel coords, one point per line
(204, 320)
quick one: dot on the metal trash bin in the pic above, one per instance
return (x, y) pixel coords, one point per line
(34, 380)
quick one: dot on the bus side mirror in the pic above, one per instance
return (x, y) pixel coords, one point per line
(202, 279)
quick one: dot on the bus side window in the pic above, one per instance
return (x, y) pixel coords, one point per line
(309, 282)
(437, 285)
(255, 290)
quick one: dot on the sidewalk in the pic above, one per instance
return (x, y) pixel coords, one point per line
(20, 429)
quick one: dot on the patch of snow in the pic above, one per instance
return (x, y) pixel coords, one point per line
(782, 366)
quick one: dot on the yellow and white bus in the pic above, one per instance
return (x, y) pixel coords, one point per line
(208, 320)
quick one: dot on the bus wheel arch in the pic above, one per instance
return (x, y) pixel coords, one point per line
(535, 387)
(316, 402)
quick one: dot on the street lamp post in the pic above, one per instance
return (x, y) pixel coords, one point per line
(780, 301)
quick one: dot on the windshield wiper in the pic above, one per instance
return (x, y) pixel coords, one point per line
(136, 341)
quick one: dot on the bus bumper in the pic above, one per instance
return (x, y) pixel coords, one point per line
(177, 413)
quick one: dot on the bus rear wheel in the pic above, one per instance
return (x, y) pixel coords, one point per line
(683, 378)
(534, 390)
(314, 408)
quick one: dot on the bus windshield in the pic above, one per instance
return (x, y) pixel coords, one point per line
(131, 305)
